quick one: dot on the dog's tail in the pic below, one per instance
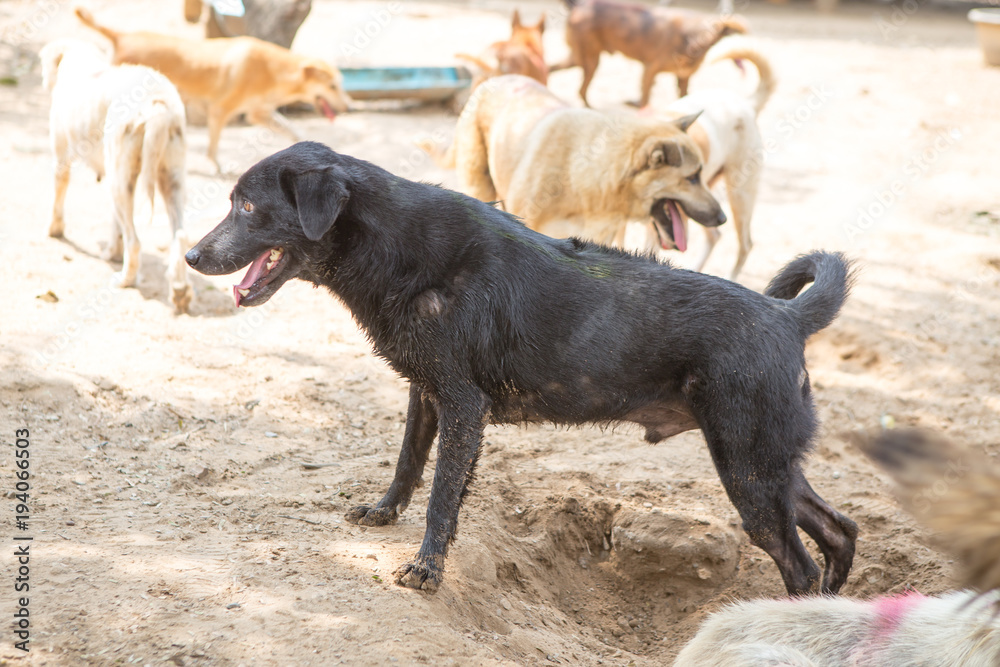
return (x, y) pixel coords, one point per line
(87, 19)
(488, 69)
(158, 127)
(952, 490)
(731, 24)
(738, 49)
(442, 158)
(831, 276)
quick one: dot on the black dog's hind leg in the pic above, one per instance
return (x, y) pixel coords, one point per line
(769, 522)
(462, 419)
(833, 532)
(759, 482)
(421, 427)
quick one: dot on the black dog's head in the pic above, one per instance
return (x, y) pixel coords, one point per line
(281, 208)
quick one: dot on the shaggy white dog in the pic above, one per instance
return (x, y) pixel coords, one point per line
(126, 123)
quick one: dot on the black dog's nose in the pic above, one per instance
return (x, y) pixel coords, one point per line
(192, 257)
(718, 221)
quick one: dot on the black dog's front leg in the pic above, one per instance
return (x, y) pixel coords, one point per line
(461, 423)
(421, 426)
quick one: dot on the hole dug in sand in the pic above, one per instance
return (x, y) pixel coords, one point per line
(626, 578)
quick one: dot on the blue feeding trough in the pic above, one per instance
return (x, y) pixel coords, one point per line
(432, 84)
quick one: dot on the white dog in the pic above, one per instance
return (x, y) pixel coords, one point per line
(730, 141)
(954, 492)
(126, 123)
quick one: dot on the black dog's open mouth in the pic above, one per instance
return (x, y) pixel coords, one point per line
(669, 223)
(260, 278)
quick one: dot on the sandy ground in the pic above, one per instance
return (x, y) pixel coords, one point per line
(174, 516)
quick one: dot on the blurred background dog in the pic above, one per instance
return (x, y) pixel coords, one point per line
(127, 124)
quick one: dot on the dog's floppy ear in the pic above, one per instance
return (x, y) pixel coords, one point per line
(666, 154)
(316, 71)
(319, 195)
(687, 121)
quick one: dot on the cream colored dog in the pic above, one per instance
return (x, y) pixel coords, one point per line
(578, 172)
(126, 123)
(959, 629)
(232, 75)
(730, 142)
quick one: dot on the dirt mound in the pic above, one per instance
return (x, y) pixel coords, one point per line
(699, 549)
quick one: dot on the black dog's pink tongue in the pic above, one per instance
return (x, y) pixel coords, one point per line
(253, 273)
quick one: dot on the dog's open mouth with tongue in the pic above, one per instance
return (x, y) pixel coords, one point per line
(670, 223)
(261, 274)
(326, 109)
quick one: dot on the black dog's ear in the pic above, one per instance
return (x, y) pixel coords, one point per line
(319, 196)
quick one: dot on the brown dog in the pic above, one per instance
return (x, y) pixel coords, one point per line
(521, 54)
(662, 39)
(232, 75)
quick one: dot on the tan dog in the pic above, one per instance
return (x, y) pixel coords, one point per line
(521, 54)
(232, 75)
(662, 39)
(577, 172)
(126, 123)
(730, 143)
(954, 491)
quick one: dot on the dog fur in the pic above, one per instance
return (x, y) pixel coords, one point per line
(955, 492)
(959, 629)
(493, 323)
(727, 134)
(663, 39)
(126, 123)
(232, 76)
(522, 54)
(578, 172)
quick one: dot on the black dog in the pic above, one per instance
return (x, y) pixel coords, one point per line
(493, 323)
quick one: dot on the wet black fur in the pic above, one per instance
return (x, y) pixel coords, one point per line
(494, 323)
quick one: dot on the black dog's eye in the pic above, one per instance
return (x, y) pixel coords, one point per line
(695, 178)
(247, 206)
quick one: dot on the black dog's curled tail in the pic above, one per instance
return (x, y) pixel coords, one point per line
(832, 276)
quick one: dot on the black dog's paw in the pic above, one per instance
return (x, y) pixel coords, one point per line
(420, 575)
(363, 515)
